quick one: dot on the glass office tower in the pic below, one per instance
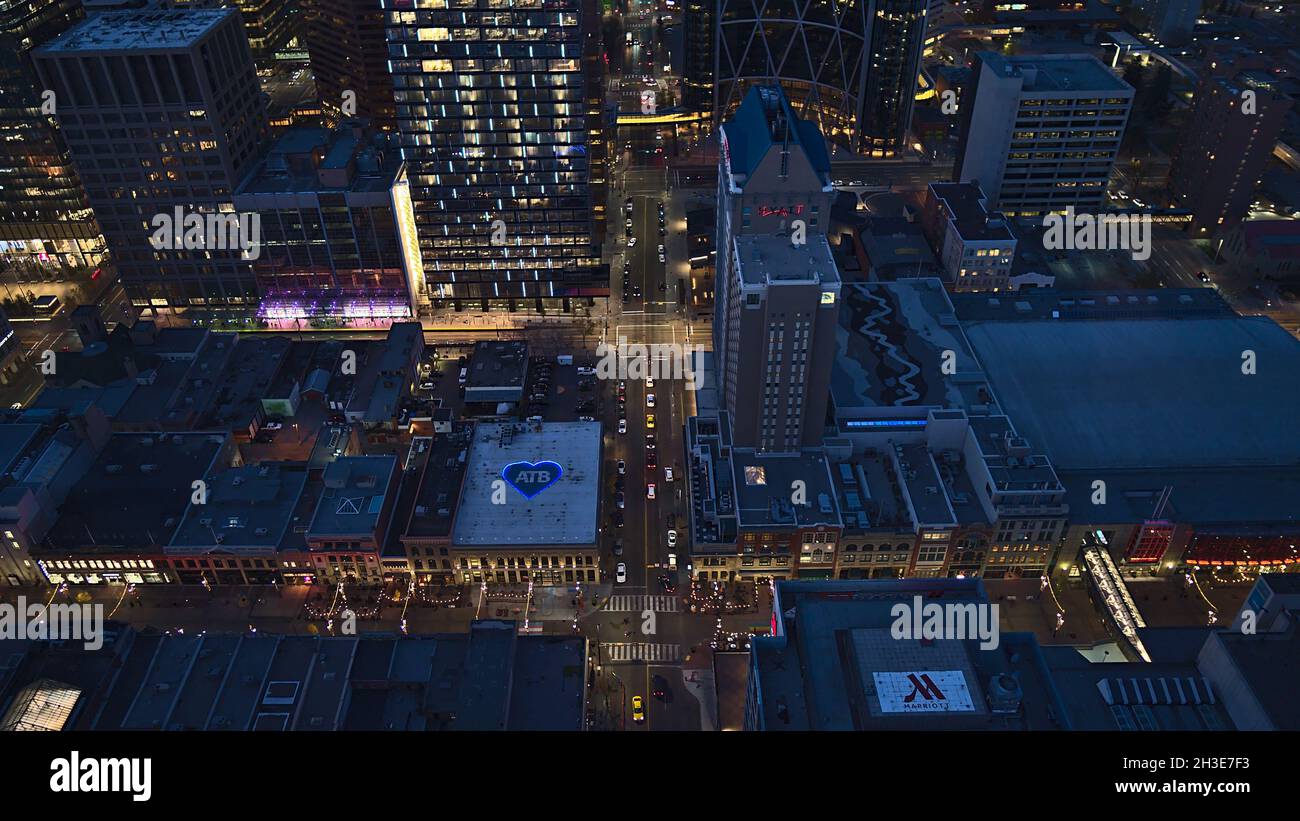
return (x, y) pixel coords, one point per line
(850, 66)
(491, 116)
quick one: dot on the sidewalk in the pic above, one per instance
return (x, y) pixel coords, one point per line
(698, 681)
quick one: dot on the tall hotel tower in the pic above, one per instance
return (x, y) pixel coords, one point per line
(778, 288)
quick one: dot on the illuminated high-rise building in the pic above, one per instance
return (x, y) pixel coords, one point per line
(492, 115)
(850, 66)
(271, 25)
(163, 115)
(777, 295)
(46, 227)
(1040, 133)
(699, 22)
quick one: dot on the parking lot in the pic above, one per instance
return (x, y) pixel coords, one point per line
(557, 393)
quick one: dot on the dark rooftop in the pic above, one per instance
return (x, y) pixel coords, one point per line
(135, 493)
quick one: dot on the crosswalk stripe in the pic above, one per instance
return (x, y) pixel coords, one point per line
(627, 603)
(641, 651)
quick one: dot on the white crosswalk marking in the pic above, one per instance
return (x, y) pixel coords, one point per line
(637, 604)
(638, 651)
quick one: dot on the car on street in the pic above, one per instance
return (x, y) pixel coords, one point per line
(649, 400)
(650, 461)
(618, 547)
(668, 474)
(631, 242)
(650, 490)
(620, 499)
(274, 425)
(620, 573)
(622, 426)
(649, 421)
(618, 518)
(649, 382)
(659, 686)
(622, 467)
(650, 440)
(672, 538)
(638, 709)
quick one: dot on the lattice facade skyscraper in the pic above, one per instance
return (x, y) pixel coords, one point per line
(850, 66)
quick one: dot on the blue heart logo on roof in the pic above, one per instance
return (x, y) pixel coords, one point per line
(531, 478)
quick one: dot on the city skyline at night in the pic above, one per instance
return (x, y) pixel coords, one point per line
(924, 368)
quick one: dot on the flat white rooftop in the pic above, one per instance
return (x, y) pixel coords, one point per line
(564, 513)
(151, 29)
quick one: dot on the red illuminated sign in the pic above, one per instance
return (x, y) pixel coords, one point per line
(783, 211)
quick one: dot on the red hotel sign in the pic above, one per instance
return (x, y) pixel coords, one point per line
(783, 211)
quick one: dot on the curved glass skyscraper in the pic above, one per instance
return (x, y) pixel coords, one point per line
(850, 66)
